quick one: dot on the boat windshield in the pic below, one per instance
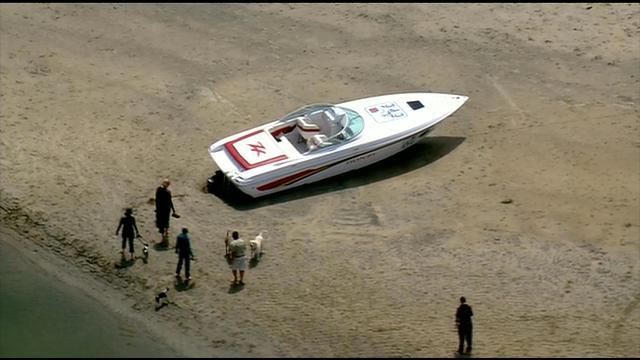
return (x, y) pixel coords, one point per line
(334, 124)
(304, 111)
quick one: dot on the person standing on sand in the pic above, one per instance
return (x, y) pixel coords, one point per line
(463, 322)
(237, 248)
(128, 225)
(164, 206)
(185, 253)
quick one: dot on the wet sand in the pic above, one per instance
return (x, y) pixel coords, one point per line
(526, 201)
(41, 316)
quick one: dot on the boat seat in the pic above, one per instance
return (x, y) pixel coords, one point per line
(320, 121)
(331, 124)
(341, 120)
(307, 130)
(315, 141)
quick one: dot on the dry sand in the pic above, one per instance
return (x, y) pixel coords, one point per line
(99, 102)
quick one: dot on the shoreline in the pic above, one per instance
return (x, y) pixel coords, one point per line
(95, 288)
(42, 316)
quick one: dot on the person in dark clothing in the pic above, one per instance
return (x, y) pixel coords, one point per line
(129, 230)
(185, 253)
(463, 322)
(164, 207)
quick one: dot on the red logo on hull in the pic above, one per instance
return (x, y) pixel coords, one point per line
(259, 148)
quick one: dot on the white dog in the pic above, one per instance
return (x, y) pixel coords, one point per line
(256, 246)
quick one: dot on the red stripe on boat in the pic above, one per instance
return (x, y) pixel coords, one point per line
(287, 129)
(283, 130)
(290, 178)
(236, 155)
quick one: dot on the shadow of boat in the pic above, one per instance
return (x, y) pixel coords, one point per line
(419, 155)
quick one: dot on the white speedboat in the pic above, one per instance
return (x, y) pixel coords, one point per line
(322, 140)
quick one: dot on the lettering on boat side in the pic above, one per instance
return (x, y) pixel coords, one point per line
(360, 158)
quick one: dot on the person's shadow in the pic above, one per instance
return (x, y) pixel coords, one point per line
(234, 288)
(183, 285)
(464, 355)
(161, 246)
(124, 263)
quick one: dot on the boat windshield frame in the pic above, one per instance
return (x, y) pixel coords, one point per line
(303, 111)
(352, 127)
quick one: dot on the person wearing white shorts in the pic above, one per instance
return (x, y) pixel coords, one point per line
(238, 248)
(238, 264)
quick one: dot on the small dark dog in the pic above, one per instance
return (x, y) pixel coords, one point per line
(160, 298)
(145, 250)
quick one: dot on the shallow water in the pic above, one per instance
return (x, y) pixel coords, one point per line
(40, 316)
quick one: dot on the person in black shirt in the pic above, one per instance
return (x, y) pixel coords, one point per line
(128, 225)
(164, 207)
(463, 322)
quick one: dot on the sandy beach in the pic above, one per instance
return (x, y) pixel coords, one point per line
(526, 201)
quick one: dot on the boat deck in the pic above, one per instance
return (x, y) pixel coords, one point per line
(293, 144)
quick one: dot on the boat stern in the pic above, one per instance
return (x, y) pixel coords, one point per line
(243, 157)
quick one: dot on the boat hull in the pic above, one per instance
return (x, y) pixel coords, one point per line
(283, 154)
(219, 183)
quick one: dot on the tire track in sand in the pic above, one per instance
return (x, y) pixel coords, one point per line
(509, 100)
